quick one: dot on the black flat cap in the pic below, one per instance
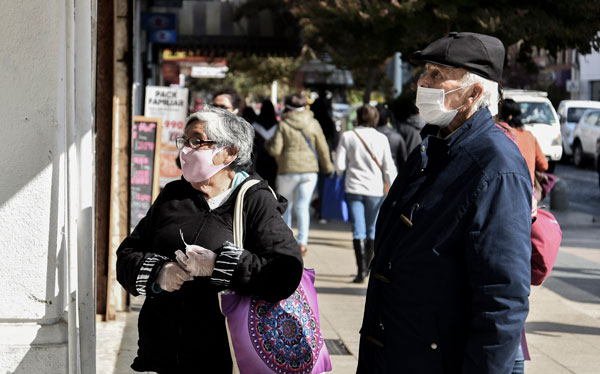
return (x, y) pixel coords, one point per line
(477, 53)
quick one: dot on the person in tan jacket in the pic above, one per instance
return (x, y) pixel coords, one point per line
(300, 149)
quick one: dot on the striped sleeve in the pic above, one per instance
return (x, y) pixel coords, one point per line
(225, 264)
(148, 265)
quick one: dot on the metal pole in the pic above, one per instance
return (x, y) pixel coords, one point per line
(274, 93)
(397, 74)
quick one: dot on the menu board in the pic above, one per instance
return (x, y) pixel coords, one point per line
(145, 150)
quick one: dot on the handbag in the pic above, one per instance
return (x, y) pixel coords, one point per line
(386, 186)
(543, 184)
(546, 236)
(274, 337)
(333, 204)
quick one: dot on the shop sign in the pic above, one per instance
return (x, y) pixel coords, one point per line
(572, 85)
(159, 21)
(163, 36)
(207, 71)
(171, 105)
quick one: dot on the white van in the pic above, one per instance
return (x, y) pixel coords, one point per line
(569, 113)
(541, 119)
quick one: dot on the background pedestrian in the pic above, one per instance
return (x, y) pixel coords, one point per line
(364, 181)
(265, 126)
(300, 149)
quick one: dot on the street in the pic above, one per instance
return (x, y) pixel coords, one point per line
(584, 192)
(576, 275)
(563, 326)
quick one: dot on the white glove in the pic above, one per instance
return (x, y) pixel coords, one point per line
(197, 261)
(171, 276)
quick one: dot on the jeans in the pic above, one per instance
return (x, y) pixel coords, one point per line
(519, 367)
(363, 212)
(298, 188)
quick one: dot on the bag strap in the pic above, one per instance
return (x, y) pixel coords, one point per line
(368, 150)
(238, 240)
(238, 222)
(312, 148)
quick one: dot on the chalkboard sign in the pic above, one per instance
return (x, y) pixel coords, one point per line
(143, 186)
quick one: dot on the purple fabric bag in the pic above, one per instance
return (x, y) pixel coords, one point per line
(282, 337)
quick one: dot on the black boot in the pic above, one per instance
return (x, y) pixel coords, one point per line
(370, 251)
(361, 256)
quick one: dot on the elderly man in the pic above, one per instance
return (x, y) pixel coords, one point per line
(449, 284)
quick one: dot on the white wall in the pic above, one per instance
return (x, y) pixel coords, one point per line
(46, 186)
(589, 70)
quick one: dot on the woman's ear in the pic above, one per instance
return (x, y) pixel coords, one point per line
(229, 154)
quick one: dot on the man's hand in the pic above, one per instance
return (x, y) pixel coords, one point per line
(197, 261)
(172, 276)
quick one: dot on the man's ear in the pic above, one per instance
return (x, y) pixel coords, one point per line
(475, 93)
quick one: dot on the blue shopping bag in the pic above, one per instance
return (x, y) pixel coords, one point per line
(333, 203)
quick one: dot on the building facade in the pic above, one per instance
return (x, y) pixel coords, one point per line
(47, 304)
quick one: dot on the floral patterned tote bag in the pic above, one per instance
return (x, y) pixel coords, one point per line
(283, 337)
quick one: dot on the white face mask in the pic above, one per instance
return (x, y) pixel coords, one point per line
(430, 102)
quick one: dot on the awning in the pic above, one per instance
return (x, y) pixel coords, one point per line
(323, 74)
(210, 26)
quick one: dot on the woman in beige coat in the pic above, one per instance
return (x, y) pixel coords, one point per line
(299, 147)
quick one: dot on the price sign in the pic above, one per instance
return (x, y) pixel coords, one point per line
(171, 105)
(145, 151)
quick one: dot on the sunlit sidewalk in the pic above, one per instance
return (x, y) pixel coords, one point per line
(563, 335)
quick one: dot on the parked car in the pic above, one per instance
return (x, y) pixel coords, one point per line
(541, 119)
(585, 137)
(598, 159)
(569, 113)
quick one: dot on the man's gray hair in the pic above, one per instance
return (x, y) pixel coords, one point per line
(227, 130)
(489, 97)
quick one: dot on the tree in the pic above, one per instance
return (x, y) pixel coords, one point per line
(361, 34)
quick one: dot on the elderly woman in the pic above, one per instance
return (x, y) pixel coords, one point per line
(181, 328)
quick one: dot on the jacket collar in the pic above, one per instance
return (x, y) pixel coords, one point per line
(438, 148)
(479, 123)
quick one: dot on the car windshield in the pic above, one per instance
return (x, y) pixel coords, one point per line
(536, 113)
(574, 114)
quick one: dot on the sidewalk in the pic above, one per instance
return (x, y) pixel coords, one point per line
(563, 335)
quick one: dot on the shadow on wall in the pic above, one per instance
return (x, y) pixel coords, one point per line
(53, 332)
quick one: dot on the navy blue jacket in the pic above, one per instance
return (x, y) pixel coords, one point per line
(449, 284)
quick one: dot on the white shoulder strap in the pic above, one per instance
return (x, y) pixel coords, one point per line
(238, 239)
(238, 222)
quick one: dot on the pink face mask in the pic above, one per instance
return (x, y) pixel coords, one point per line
(197, 165)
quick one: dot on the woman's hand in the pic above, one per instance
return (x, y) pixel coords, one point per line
(197, 261)
(172, 276)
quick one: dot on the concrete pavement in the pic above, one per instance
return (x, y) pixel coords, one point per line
(563, 333)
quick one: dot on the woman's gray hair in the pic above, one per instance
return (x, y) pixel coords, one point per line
(226, 130)
(489, 97)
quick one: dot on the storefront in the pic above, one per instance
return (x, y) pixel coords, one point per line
(166, 58)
